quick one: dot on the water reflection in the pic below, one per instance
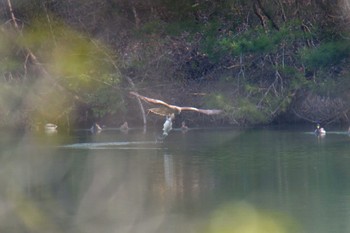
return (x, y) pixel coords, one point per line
(169, 170)
(116, 182)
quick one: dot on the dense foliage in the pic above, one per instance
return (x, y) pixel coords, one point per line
(74, 62)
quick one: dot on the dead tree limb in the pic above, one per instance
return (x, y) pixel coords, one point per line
(129, 80)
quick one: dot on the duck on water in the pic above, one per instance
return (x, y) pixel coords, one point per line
(95, 128)
(50, 128)
(320, 131)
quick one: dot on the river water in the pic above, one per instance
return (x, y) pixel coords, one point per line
(203, 180)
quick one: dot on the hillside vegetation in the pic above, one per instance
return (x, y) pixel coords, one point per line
(73, 62)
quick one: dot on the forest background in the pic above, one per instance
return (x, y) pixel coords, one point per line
(74, 62)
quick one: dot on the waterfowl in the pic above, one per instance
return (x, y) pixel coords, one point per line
(184, 127)
(95, 128)
(320, 131)
(124, 126)
(50, 126)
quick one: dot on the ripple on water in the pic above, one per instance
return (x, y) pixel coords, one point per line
(144, 145)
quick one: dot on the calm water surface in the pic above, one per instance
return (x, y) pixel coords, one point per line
(204, 180)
